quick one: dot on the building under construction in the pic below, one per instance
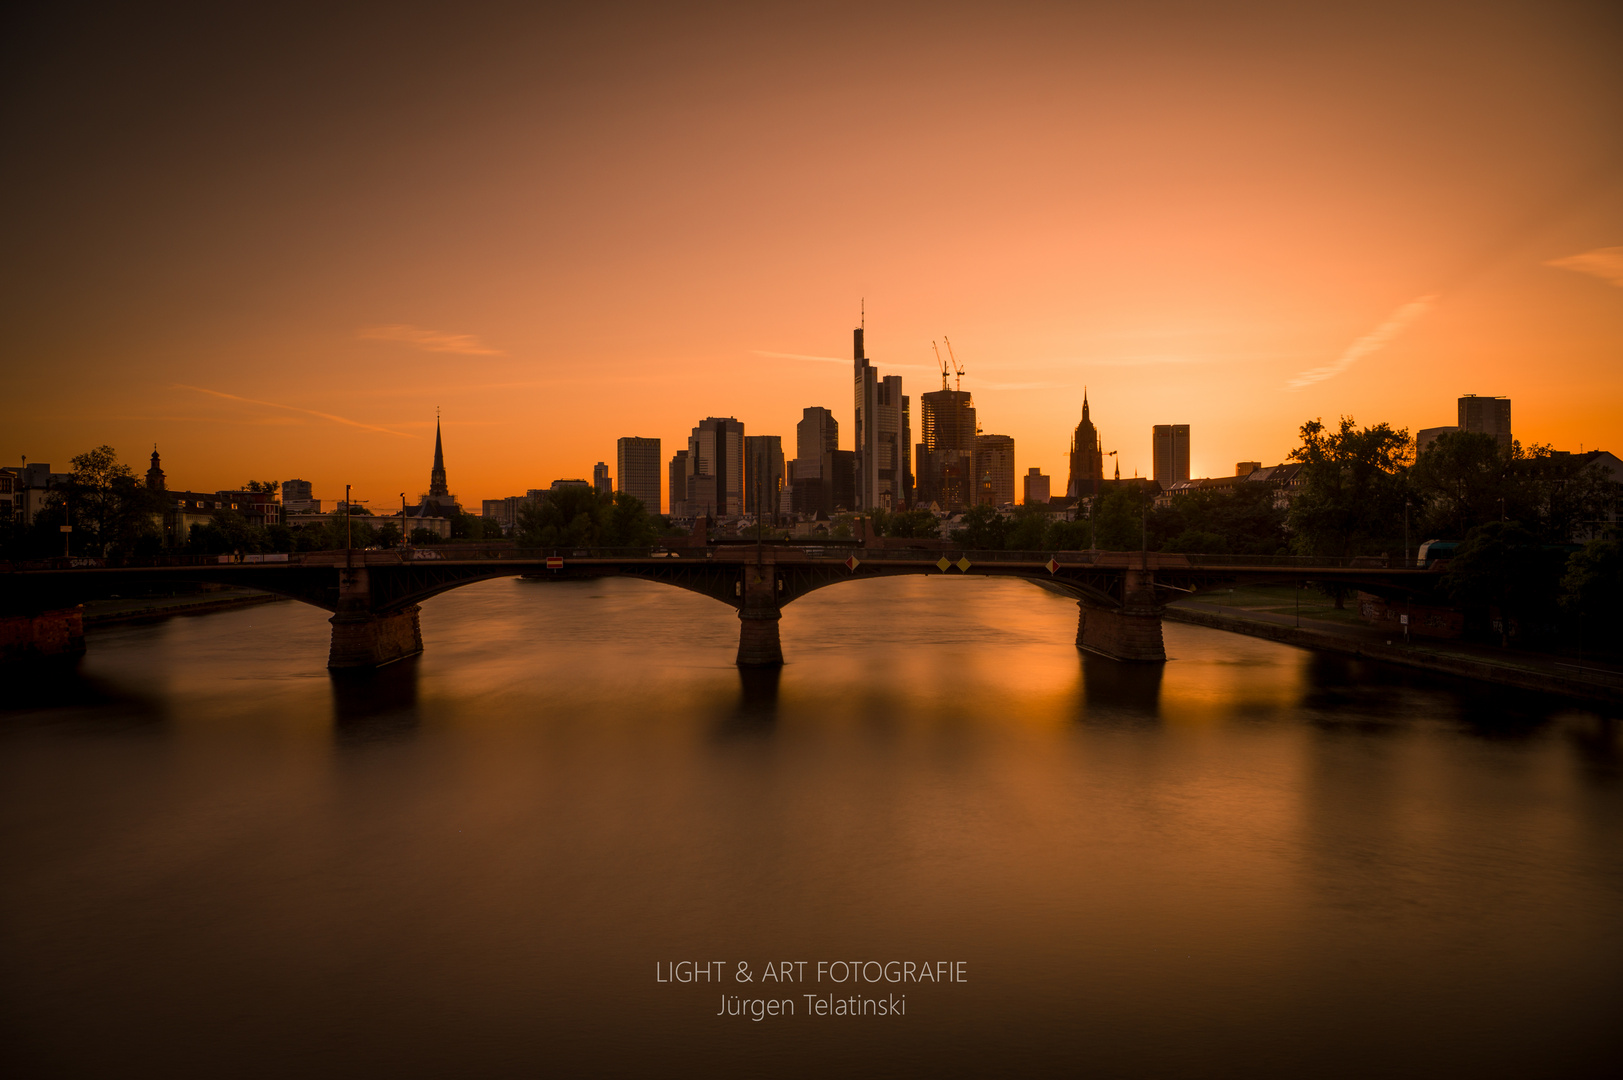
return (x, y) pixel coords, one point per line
(946, 458)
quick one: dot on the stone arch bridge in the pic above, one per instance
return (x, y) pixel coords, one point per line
(375, 596)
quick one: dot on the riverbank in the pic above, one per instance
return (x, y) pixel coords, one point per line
(1522, 670)
(149, 608)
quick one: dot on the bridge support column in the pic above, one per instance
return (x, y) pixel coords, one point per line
(1131, 633)
(47, 635)
(363, 638)
(758, 615)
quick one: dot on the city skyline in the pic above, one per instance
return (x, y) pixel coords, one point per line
(290, 273)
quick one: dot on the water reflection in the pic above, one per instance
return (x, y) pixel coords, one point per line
(1249, 846)
(756, 712)
(369, 706)
(1116, 690)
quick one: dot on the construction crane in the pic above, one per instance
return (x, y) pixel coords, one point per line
(957, 367)
(943, 364)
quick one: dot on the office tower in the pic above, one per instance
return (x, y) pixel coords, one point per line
(637, 460)
(817, 437)
(1087, 458)
(1170, 446)
(600, 479)
(1246, 468)
(1036, 485)
(763, 474)
(1489, 415)
(882, 435)
(680, 506)
(994, 469)
(946, 456)
(842, 485)
(715, 468)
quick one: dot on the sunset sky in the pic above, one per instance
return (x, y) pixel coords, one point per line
(272, 241)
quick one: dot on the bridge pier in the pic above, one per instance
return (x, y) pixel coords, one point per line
(363, 638)
(1131, 632)
(37, 637)
(758, 615)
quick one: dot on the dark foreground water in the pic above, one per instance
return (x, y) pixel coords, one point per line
(215, 860)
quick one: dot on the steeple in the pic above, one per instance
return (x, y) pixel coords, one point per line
(1084, 404)
(155, 474)
(437, 487)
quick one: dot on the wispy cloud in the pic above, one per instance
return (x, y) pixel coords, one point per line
(1605, 263)
(1395, 324)
(428, 340)
(293, 408)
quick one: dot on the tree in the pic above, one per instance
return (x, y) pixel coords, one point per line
(1118, 518)
(263, 487)
(1592, 587)
(913, 525)
(567, 517)
(1458, 483)
(1028, 528)
(1502, 565)
(1352, 493)
(984, 529)
(629, 523)
(108, 508)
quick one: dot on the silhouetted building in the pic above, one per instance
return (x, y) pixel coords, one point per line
(1245, 468)
(811, 474)
(601, 480)
(882, 435)
(298, 498)
(716, 468)
(994, 464)
(559, 485)
(638, 462)
(155, 479)
(680, 505)
(946, 456)
(1087, 460)
(1170, 443)
(504, 512)
(1489, 415)
(1426, 436)
(763, 474)
(843, 482)
(1036, 487)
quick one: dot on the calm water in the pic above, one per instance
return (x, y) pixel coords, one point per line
(216, 860)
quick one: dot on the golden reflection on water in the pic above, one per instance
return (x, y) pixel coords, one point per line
(1249, 845)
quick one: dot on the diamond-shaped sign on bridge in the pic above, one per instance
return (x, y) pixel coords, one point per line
(852, 563)
(963, 562)
(942, 564)
(1053, 565)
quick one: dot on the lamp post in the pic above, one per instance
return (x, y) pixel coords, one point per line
(1406, 561)
(349, 541)
(402, 519)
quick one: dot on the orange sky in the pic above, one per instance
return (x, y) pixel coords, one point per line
(274, 243)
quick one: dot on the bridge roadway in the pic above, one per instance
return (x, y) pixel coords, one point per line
(375, 595)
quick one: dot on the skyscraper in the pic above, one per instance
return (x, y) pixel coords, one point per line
(946, 456)
(680, 506)
(994, 469)
(715, 468)
(882, 434)
(817, 437)
(1087, 459)
(637, 464)
(1170, 446)
(763, 474)
(600, 479)
(1036, 487)
(1489, 415)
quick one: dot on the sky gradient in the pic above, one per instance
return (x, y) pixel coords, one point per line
(273, 243)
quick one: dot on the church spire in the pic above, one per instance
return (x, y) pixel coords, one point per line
(437, 486)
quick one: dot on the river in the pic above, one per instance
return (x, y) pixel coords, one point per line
(1255, 861)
